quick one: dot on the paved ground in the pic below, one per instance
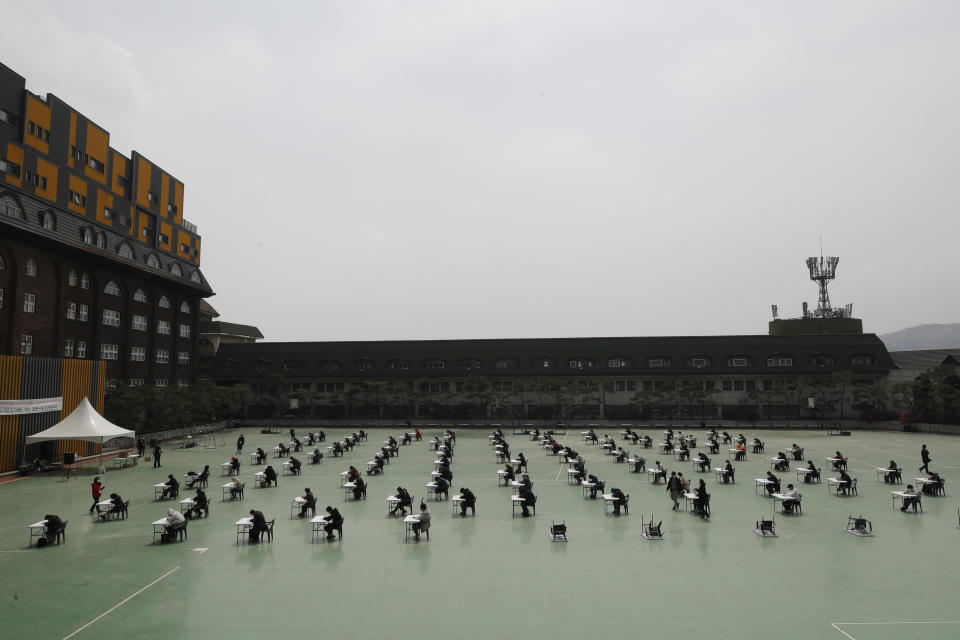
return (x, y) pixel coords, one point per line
(495, 573)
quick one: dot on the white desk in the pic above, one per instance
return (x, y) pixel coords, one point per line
(456, 501)
(225, 488)
(243, 528)
(653, 475)
(721, 473)
(883, 471)
(104, 504)
(254, 458)
(609, 500)
(902, 495)
(803, 472)
(37, 530)
(586, 486)
(502, 477)
(186, 503)
(409, 521)
(516, 501)
(225, 469)
(572, 476)
(158, 490)
(779, 497)
(761, 482)
(319, 522)
(296, 505)
(159, 528)
(636, 464)
(836, 484)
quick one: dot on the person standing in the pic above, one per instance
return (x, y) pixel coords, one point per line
(240, 442)
(141, 446)
(674, 488)
(925, 457)
(96, 488)
(156, 455)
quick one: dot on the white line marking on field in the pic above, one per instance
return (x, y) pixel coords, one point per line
(201, 549)
(558, 474)
(121, 603)
(834, 625)
(837, 625)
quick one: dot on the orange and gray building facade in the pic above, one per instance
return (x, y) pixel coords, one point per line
(96, 259)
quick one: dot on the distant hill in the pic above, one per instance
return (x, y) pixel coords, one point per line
(924, 336)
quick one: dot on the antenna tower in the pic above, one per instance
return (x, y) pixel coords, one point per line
(822, 271)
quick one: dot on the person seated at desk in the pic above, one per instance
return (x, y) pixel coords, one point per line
(570, 454)
(261, 455)
(702, 500)
(619, 500)
(446, 473)
(634, 437)
(839, 461)
(791, 498)
(726, 438)
(591, 437)
(528, 500)
(200, 504)
(713, 446)
(235, 487)
(234, 465)
(423, 521)
(620, 455)
(270, 476)
(669, 434)
(311, 441)
(360, 489)
(361, 434)
(377, 468)
(452, 435)
(797, 451)
(668, 446)
(581, 470)
(353, 474)
(443, 486)
(435, 443)
(203, 475)
(757, 445)
(647, 442)
(703, 462)
(337, 449)
(504, 450)
(284, 450)
(892, 474)
(404, 501)
(684, 482)
(741, 439)
(321, 436)
(741, 452)
(171, 488)
(773, 483)
(407, 438)
(295, 466)
(597, 485)
(728, 473)
(51, 528)
(812, 473)
(509, 476)
(535, 434)
(175, 520)
(469, 500)
(348, 442)
(781, 463)
(297, 445)
(639, 464)
(526, 481)
(555, 448)
(521, 461)
(845, 482)
(258, 527)
(684, 451)
(659, 473)
(911, 498)
(116, 506)
(309, 504)
(316, 456)
(931, 488)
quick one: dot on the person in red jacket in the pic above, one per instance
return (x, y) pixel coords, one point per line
(96, 488)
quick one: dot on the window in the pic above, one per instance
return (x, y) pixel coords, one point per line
(139, 296)
(164, 303)
(125, 251)
(658, 363)
(171, 208)
(738, 385)
(1, 298)
(625, 385)
(183, 357)
(78, 198)
(619, 362)
(26, 345)
(163, 327)
(96, 165)
(109, 213)
(288, 365)
(136, 382)
(862, 360)
(77, 153)
(9, 167)
(2, 264)
(138, 323)
(112, 289)
(698, 362)
(48, 222)
(160, 382)
(185, 307)
(822, 360)
(434, 363)
(153, 261)
(72, 279)
(581, 363)
(109, 352)
(68, 348)
(84, 313)
(71, 311)
(29, 302)
(737, 361)
(363, 364)
(469, 363)
(87, 235)
(81, 348)
(32, 268)
(111, 318)
(163, 356)
(779, 361)
(123, 182)
(505, 363)
(101, 240)
(184, 248)
(163, 238)
(138, 354)
(328, 364)
(184, 331)
(10, 207)
(84, 281)
(9, 118)
(195, 277)
(544, 363)
(398, 364)
(151, 196)
(183, 383)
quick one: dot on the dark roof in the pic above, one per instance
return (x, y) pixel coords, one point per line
(207, 309)
(810, 355)
(924, 359)
(230, 329)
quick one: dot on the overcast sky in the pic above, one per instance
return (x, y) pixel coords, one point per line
(417, 170)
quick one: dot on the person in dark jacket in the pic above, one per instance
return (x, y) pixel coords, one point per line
(240, 442)
(156, 455)
(172, 488)
(620, 500)
(309, 504)
(529, 500)
(597, 485)
(200, 504)
(469, 500)
(205, 474)
(261, 455)
(404, 501)
(675, 489)
(334, 520)
(259, 526)
(270, 476)
(316, 456)
(925, 458)
(141, 446)
(359, 489)
(295, 466)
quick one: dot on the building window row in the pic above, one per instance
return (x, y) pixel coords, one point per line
(111, 318)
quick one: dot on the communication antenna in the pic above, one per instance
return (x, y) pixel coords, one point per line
(822, 271)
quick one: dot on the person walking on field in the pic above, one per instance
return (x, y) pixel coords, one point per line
(925, 457)
(240, 442)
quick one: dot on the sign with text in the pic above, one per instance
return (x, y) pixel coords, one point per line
(36, 405)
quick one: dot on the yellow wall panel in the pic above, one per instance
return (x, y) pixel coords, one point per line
(197, 257)
(143, 182)
(164, 195)
(183, 238)
(98, 146)
(143, 224)
(11, 368)
(166, 230)
(77, 185)
(50, 172)
(72, 140)
(15, 154)
(119, 170)
(104, 200)
(133, 221)
(178, 202)
(75, 386)
(39, 114)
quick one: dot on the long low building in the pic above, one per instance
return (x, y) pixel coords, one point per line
(787, 374)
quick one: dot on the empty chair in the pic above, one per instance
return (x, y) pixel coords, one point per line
(558, 531)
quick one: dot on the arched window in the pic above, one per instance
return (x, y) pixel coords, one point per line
(822, 360)
(10, 207)
(544, 363)
(434, 363)
(363, 364)
(398, 363)
(698, 362)
(195, 277)
(32, 267)
(175, 269)
(101, 240)
(87, 235)
(780, 360)
(72, 278)
(2, 264)
(84, 281)
(328, 364)
(863, 360)
(140, 296)
(470, 363)
(658, 362)
(111, 289)
(48, 221)
(153, 261)
(164, 303)
(619, 362)
(125, 251)
(581, 363)
(294, 365)
(738, 361)
(185, 307)
(505, 363)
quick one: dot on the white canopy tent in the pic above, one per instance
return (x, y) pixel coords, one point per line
(84, 423)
